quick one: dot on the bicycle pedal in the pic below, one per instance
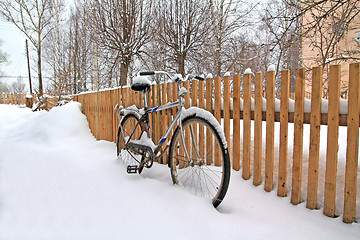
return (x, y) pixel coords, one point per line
(132, 169)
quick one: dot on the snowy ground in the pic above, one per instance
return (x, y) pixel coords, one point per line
(58, 182)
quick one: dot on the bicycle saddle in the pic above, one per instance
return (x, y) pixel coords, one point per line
(141, 83)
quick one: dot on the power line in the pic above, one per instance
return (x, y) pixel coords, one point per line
(4, 76)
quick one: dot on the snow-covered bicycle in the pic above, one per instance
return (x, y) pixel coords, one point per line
(198, 156)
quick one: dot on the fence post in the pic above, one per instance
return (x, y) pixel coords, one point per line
(332, 141)
(298, 137)
(258, 128)
(352, 150)
(270, 118)
(246, 126)
(314, 149)
(29, 100)
(236, 122)
(284, 115)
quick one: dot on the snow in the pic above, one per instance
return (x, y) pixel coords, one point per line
(58, 182)
(207, 116)
(328, 60)
(248, 71)
(209, 75)
(144, 140)
(141, 80)
(271, 68)
(227, 74)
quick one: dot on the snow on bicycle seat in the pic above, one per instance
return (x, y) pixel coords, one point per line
(141, 83)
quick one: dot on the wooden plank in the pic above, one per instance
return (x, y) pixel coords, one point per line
(202, 106)
(187, 105)
(187, 96)
(227, 111)
(164, 118)
(246, 126)
(194, 96)
(352, 150)
(169, 99)
(258, 128)
(314, 149)
(217, 108)
(209, 107)
(236, 123)
(270, 112)
(217, 114)
(283, 151)
(298, 137)
(153, 115)
(158, 126)
(332, 141)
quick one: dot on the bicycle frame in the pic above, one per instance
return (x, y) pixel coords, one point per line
(177, 120)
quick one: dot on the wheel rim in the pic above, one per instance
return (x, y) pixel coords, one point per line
(202, 174)
(128, 125)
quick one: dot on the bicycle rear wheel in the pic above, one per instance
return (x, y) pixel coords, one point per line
(131, 130)
(206, 169)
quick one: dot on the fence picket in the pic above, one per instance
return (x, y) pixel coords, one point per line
(298, 137)
(332, 141)
(217, 112)
(164, 118)
(201, 129)
(258, 128)
(226, 111)
(314, 148)
(284, 115)
(352, 151)
(209, 107)
(236, 123)
(270, 119)
(246, 126)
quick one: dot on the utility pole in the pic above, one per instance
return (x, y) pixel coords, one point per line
(28, 61)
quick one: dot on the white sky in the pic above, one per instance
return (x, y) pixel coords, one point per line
(13, 44)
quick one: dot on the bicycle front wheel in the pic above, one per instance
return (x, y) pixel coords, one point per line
(200, 162)
(129, 129)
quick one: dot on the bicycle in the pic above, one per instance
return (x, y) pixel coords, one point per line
(198, 156)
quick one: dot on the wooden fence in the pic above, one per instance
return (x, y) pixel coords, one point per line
(15, 99)
(247, 151)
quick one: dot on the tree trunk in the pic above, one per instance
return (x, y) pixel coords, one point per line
(124, 69)
(181, 64)
(41, 92)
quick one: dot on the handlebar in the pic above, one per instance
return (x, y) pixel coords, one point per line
(175, 78)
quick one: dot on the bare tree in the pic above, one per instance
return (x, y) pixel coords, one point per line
(34, 18)
(324, 24)
(283, 27)
(123, 28)
(227, 17)
(182, 30)
(18, 86)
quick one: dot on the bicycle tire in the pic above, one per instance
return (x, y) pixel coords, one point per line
(208, 171)
(128, 124)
